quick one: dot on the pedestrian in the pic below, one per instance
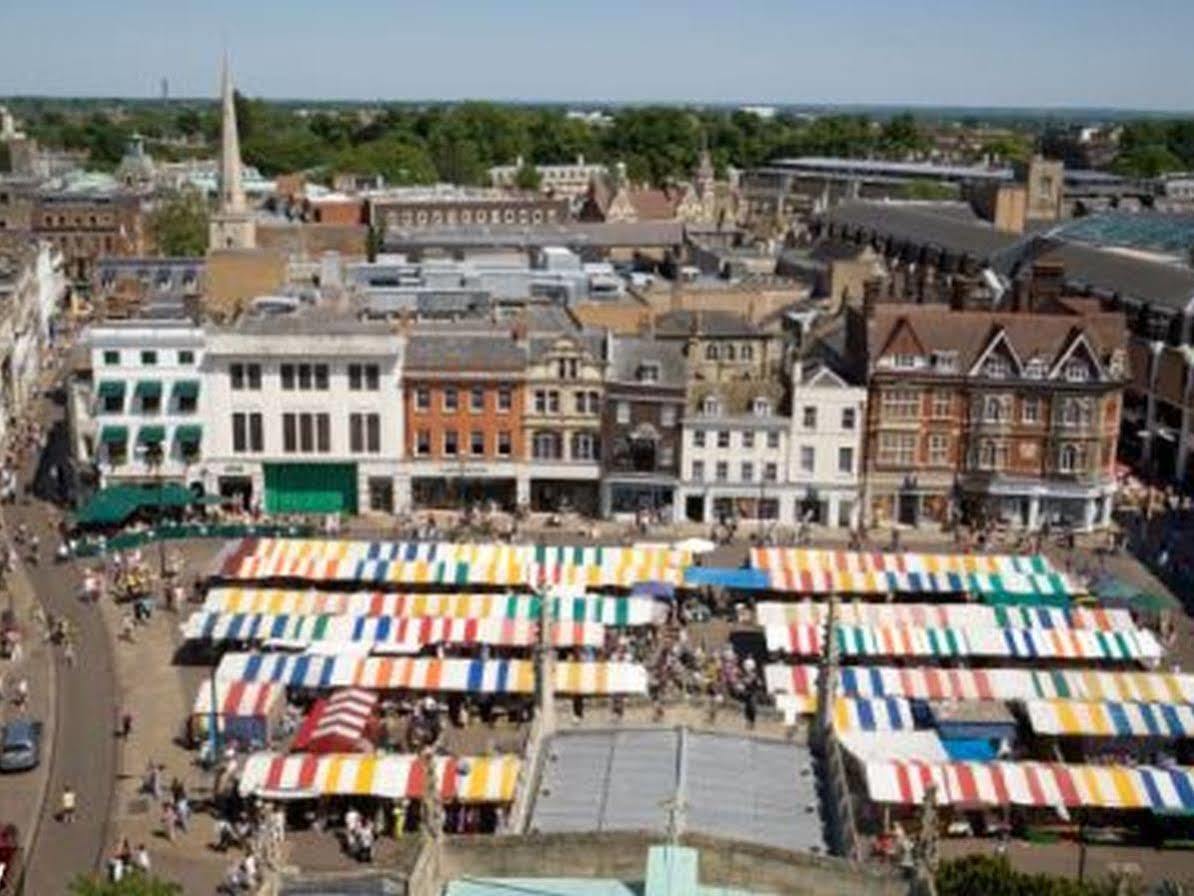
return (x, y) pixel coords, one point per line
(126, 627)
(141, 859)
(21, 698)
(182, 811)
(68, 653)
(67, 815)
(168, 820)
(126, 724)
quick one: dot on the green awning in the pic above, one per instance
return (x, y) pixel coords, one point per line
(189, 432)
(114, 435)
(186, 389)
(148, 389)
(113, 505)
(151, 435)
(111, 389)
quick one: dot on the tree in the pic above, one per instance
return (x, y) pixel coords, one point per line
(995, 876)
(178, 225)
(527, 177)
(130, 885)
(1146, 161)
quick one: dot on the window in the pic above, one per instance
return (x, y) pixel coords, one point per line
(253, 377)
(727, 352)
(323, 433)
(306, 433)
(848, 418)
(1071, 459)
(748, 471)
(845, 460)
(584, 446)
(996, 408)
(476, 443)
(306, 428)
(1036, 369)
(451, 443)
(582, 402)
(722, 471)
(304, 376)
(711, 406)
(240, 433)
(748, 438)
(286, 371)
(112, 404)
(771, 472)
(761, 407)
(809, 417)
(996, 367)
(1030, 410)
(504, 443)
(540, 401)
(289, 433)
(594, 402)
(553, 401)
(623, 412)
(505, 398)
(746, 352)
(648, 372)
(1076, 412)
(808, 458)
(905, 362)
(667, 416)
(423, 442)
(187, 404)
(698, 471)
(149, 358)
(723, 438)
(901, 404)
(321, 377)
(992, 455)
(943, 404)
(236, 376)
(945, 361)
(422, 399)
(111, 358)
(151, 403)
(476, 399)
(567, 368)
(938, 449)
(698, 438)
(364, 433)
(897, 448)
(451, 399)
(186, 358)
(711, 352)
(356, 379)
(1076, 371)
(773, 440)
(547, 446)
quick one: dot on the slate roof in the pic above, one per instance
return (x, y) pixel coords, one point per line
(630, 352)
(970, 332)
(920, 224)
(739, 788)
(480, 353)
(710, 323)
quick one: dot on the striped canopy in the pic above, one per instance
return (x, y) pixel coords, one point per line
(407, 635)
(620, 611)
(473, 779)
(238, 698)
(966, 616)
(850, 572)
(879, 714)
(339, 723)
(987, 684)
(1032, 784)
(1018, 643)
(1111, 719)
(431, 675)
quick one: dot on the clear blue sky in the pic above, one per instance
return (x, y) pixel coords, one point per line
(1126, 53)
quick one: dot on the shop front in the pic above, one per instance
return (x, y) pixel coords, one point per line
(458, 486)
(310, 488)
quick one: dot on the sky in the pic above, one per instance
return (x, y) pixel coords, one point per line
(1102, 53)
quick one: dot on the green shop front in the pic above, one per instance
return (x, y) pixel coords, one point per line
(310, 488)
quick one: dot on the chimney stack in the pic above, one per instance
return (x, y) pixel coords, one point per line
(1047, 284)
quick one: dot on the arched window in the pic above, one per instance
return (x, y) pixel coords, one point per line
(586, 446)
(711, 352)
(727, 352)
(1068, 462)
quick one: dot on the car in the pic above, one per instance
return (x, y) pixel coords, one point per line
(20, 747)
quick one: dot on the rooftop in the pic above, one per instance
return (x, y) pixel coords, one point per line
(1168, 234)
(713, 323)
(495, 352)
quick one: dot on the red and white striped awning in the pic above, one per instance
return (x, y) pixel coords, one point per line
(339, 724)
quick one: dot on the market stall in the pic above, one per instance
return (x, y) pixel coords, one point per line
(473, 779)
(245, 711)
(965, 616)
(1080, 718)
(345, 722)
(878, 714)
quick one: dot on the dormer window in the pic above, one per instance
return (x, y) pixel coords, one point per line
(711, 406)
(945, 361)
(648, 372)
(568, 368)
(761, 407)
(996, 368)
(1036, 369)
(1076, 372)
(905, 362)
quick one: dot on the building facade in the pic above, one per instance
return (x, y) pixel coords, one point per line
(421, 208)
(642, 426)
(994, 417)
(562, 421)
(464, 405)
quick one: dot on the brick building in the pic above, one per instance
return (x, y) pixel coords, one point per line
(1002, 416)
(464, 399)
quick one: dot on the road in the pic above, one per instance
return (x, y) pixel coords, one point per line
(85, 751)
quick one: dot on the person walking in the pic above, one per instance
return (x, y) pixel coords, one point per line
(69, 803)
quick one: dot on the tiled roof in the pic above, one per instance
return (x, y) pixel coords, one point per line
(704, 323)
(474, 353)
(631, 352)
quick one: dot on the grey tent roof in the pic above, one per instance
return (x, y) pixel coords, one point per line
(740, 788)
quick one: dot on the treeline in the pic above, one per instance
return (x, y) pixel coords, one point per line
(458, 143)
(1150, 148)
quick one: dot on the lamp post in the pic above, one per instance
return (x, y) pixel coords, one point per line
(154, 457)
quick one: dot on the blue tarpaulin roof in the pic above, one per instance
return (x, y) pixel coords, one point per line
(968, 749)
(726, 577)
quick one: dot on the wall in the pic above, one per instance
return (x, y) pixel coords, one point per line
(234, 276)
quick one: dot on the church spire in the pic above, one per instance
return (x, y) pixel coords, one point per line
(232, 194)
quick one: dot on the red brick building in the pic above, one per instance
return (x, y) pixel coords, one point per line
(1005, 416)
(463, 399)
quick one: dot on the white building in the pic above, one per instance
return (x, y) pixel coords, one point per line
(146, 389)
(305, 413)
(571, 180)
(735, 464)
(825, 462)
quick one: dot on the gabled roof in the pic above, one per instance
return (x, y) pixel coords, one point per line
(1077, 341)
(998, 338)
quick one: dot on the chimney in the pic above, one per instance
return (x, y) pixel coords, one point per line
(957, 294)
(1047, 284)
(872, 291)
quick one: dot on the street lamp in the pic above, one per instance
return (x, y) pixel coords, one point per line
(154, 457)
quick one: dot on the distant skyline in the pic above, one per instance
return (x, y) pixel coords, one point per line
(1019, 53)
